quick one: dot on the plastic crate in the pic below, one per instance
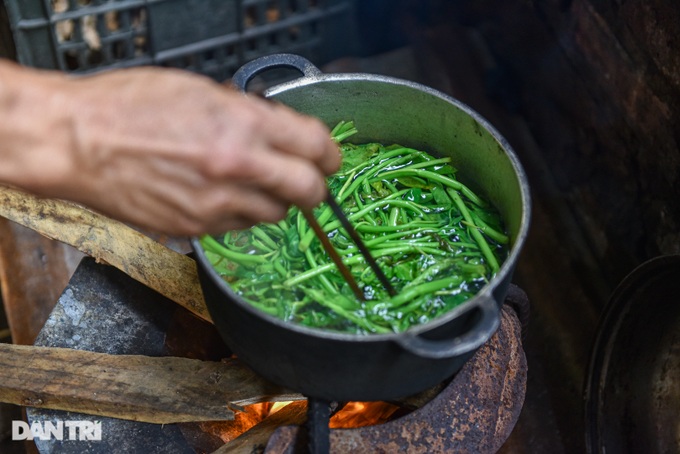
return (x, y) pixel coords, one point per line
(212, 37)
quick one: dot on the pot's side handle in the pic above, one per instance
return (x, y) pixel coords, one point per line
(251, 69)
(465, 343)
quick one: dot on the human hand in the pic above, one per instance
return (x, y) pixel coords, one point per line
(177, 153)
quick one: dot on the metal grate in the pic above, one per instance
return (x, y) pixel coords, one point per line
(213, 37)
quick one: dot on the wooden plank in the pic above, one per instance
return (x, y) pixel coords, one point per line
(171, 274)
(33, 273)
(159, 390)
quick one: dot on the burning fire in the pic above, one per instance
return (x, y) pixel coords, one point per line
(352, 415)
(276, 407)
(361, 414)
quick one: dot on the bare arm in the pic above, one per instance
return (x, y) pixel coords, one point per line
(166, 150)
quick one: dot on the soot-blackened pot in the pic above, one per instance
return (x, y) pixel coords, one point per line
(344, 367)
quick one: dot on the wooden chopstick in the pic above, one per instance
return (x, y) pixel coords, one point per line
(360, 244)
(330, 250)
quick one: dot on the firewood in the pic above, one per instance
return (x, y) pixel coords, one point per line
(256, 438)
(170, 273)
(34, 271)
(159, 390)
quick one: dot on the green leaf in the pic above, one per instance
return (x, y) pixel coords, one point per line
(441, 198)
(353, 155)
(414, 182)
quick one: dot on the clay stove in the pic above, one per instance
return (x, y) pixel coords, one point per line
(103, 310)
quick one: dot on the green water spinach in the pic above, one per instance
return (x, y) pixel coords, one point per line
(436, 240)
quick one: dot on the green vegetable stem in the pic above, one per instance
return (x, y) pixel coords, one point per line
(435, 239)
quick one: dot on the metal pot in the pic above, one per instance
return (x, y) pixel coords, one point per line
(343, 367)
(633, 385)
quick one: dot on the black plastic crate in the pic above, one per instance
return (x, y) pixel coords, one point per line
(212, 37)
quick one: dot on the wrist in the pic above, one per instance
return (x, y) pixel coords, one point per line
(36, 152)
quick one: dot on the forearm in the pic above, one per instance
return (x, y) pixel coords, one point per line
(164, 149)
(35, 128)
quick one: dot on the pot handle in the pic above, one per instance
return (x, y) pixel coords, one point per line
(251, 69)
(466, 343)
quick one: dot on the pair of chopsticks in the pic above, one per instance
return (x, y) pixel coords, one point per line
(330, 250)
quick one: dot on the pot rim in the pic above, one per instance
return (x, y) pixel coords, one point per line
(627, 301)
(485, 292)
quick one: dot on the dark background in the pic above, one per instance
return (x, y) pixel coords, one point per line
(588, 94)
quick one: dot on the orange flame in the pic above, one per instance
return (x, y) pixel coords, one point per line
(352, 415)
(361, 414)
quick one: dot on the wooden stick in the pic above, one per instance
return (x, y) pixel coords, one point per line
(256, 437)
(330, 250)
(34, 271)
(159, 390)
(170, 273)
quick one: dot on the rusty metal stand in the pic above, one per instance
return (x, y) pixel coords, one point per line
(318, 432)
(475, 413)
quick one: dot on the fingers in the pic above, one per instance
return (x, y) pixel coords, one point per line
(275, 149)
(189, 158)
(290, 179)
(214, 210)
(239, 204)
(298, 135)
(228, 224)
